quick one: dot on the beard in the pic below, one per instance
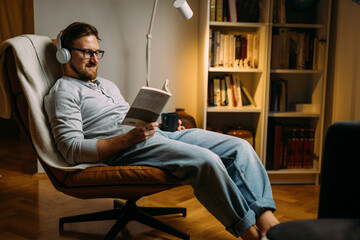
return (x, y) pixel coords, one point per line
(83, 73)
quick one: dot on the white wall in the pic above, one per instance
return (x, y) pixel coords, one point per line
(123, 25)
(343, 87)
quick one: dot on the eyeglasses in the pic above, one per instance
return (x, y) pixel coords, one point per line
(88, 53)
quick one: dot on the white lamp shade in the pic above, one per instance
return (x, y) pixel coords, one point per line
(184, 9)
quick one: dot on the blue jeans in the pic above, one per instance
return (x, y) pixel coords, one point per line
(224, 171)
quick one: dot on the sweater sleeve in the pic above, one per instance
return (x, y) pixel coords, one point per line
(63, 110)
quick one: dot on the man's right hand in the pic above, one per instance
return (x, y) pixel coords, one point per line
(110, 146)
(143, 133)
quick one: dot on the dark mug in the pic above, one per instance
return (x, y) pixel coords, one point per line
(170, 122)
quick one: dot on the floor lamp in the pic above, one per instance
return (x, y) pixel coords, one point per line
(185, 11)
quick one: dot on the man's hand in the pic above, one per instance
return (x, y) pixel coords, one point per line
(110, 146)
(143, 133)
(180, 127)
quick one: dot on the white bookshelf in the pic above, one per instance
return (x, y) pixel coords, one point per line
(307, 86)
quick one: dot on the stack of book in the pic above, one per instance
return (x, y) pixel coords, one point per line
(294, 50)
(233, 50)
(290, 147)
(228, 91)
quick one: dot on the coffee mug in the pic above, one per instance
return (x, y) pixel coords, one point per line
(170, 122)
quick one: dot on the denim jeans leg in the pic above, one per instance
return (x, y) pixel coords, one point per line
(208, 162)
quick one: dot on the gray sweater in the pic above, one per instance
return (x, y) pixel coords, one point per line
(80, 113)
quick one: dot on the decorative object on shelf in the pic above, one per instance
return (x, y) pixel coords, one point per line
(187, 120)
(242, 133)
(185, 11)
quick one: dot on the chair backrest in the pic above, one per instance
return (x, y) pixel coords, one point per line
(340, 172)
(32, 70)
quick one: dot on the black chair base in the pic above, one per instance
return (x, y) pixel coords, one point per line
(129, 211)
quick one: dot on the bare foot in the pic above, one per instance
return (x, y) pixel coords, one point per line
(251, 234)
(265, 222)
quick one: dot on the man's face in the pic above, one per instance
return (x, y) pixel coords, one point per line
(79, 67)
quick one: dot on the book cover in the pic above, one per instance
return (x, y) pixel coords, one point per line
(278, 147)
(309, 148)
(232, 11)
(217, 92)
(148, 105)
(250, 48)
(255, 63)
(247, 94)
(299, 148)
(233, 90)
(219, 11)
(291, 148)
(238, 90)
(229, 91)
(212, 10)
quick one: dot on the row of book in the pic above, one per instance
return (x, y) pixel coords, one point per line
(290, 147)
(294, 50)
(279, 95)
(229, 91)
(233, 50)
(234, 10)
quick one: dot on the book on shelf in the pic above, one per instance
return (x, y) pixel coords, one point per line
(233, 50)
(279, 95)
(212, 10)
(247, 95)
(290, 147)
(219, 11)
(309, 137)
(293, 49)
(147, 106)
(229, 91)
(232, 10)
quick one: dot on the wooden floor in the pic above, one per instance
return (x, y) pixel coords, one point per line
(30, 207)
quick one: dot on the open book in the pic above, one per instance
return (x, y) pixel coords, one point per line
(147, 105)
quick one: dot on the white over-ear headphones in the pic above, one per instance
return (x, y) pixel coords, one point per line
(62, 54)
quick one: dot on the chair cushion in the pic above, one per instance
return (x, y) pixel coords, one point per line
(317, 229)
(115, 175)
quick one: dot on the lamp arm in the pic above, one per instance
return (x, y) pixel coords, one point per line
(148, 44)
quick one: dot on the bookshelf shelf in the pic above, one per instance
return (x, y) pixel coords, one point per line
(294, 114)
(303, 84)
(234, 109)
(235, 70)
(237, 24)
(287, 25)
(296, 71)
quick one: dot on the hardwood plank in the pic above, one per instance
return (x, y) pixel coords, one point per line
(30, 206)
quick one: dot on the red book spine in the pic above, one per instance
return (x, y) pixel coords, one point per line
(299, 151)
(233, 91)
(290, 161)
(309, 148)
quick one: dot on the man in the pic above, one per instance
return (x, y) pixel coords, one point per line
(85, 113)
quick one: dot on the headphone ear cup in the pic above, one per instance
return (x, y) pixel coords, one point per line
(63, 55)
